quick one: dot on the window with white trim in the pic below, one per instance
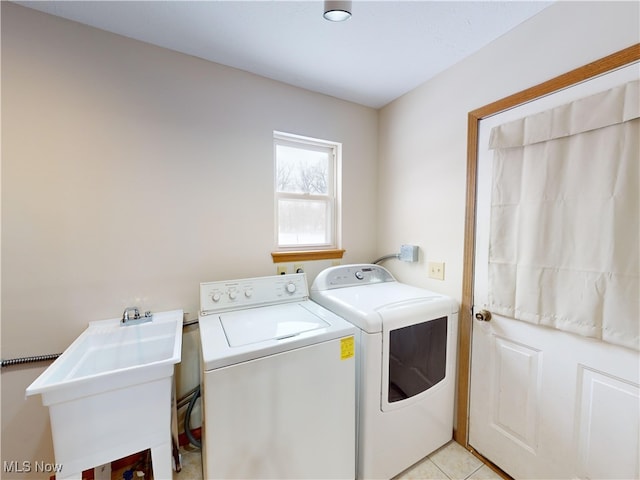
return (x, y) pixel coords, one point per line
(307, 172)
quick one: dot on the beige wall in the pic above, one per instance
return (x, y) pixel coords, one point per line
(130, 173)
(422, 135)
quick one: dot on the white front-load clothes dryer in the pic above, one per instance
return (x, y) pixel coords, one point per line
(278, 382)
(406, 353)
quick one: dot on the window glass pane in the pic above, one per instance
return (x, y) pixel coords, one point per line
(303, 222)
(302, 170)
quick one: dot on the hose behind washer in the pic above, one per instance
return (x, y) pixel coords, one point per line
(187, 420)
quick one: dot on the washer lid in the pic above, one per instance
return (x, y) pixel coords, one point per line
(244, 327)
(286, 327)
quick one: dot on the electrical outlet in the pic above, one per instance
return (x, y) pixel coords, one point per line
(436, 270)
(282, 269)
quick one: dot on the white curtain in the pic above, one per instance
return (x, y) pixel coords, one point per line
(565, 217)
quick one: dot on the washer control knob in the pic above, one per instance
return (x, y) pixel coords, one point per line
(359, 275)
(248, 292)
(232, 294)
(216, 297)
(291, 287)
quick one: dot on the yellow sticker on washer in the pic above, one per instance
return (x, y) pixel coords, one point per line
(347, 348)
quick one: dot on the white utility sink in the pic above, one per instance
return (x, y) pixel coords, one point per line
(110, 393)
(108, 355)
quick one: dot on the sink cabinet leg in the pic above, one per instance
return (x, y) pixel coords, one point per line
(161, 462)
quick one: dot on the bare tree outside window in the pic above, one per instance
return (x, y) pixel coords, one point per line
(302, 171)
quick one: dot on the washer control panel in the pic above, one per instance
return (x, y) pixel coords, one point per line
(351, 275)
(252, 292)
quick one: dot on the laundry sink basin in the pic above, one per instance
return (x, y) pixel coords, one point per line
(109, 356)
(112, 394)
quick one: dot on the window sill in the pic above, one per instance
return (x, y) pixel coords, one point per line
(306, 255)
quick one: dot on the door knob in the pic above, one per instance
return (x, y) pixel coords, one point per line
(483, 315)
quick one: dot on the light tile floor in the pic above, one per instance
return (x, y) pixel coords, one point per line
(451, 462)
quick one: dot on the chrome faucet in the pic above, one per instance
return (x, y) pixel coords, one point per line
(127, 319)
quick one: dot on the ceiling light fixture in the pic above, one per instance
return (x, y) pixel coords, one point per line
(336, 10)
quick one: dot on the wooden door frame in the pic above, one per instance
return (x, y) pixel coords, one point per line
(599, 67)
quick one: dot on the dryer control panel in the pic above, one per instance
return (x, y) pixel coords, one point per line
(352, 275)
(252, 292)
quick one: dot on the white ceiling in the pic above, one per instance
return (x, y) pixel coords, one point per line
(386, 49)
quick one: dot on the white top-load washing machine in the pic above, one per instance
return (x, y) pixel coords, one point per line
(278, 382)
(406, 353)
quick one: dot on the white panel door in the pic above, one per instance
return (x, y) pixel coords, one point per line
(545, 403)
